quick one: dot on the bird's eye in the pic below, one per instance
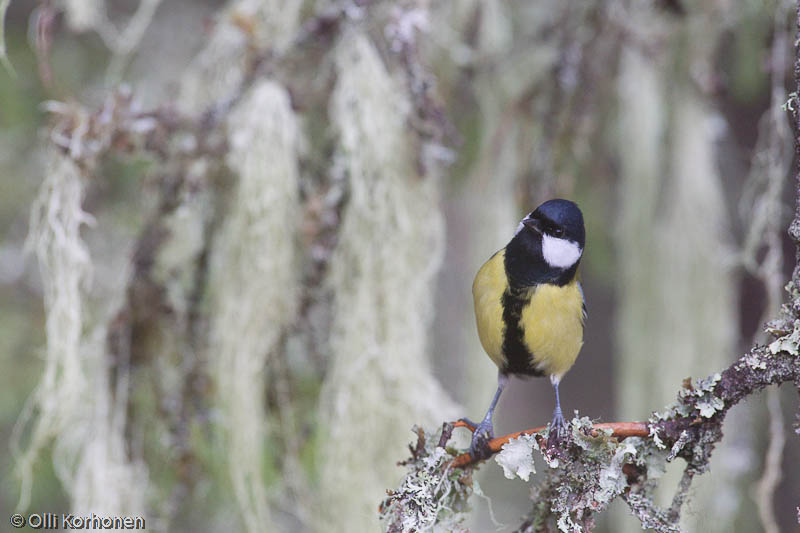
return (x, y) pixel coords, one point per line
(558, 232)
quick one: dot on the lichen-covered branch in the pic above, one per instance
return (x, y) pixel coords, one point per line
(598, 463)
(618, 430)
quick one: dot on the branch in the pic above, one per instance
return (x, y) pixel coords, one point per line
(701, 408)
(619, 430)
(599, 462)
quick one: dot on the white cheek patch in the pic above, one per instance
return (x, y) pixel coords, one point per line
(560, 253)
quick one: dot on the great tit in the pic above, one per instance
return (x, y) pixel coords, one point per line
(529, 305)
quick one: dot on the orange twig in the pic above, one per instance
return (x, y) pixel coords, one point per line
(620, 430)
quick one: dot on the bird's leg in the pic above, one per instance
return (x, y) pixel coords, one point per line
(484, 432)
(559, 425)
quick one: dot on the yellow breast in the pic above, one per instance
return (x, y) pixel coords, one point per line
(551, 321)
(552, 325)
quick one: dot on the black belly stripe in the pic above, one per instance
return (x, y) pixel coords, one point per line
(518, 360)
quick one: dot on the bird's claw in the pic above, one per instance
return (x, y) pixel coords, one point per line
(469, 424)
(479, 447)
(558, 423)
(558, 429)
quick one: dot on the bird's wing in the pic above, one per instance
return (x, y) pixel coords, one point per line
(583, 297)
(487, 291)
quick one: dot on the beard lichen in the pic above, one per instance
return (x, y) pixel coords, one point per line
(379, 379)
(78, 408)
(253, 272)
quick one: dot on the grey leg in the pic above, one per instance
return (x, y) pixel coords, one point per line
(558, 424)
(484, 432)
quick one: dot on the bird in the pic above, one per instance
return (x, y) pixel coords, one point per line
(530, 307)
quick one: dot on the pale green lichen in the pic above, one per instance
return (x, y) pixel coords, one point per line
(755, 362)
(651, 517)
(586, 473)
(788, 343)
(709, 406)
(706, 384)
(707, 403)
(585, 476)
(693, 399)
(516, 457)
(78, 409)
(255, 280)
(611, 480)
(790, 287)
(221, 67)
(651, 457)
(678, 446)
(433, 496)
(379, 380)
(609, 456)
(656, 439)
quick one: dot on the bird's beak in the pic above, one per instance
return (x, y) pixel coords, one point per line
(533, 224)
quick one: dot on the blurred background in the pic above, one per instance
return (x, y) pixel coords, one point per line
(238, 241)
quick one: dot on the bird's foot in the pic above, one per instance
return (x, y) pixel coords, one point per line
(483, 433)
(470, 425)
(559, 429)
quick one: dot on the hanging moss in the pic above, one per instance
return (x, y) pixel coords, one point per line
(255, 282)
(74, 407)
(242, 30)
(674, 228)
(379, 383)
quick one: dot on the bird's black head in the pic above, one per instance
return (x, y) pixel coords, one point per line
(560, 219)
(548, 244)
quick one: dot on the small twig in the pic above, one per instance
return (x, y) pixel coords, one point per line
(619, 430)
(124, 43)
(418, 450)
(44, 19)
(447, 432)
(796, 425)
(4, 60)
(765, 487)
(685, 484)
(648, 514)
